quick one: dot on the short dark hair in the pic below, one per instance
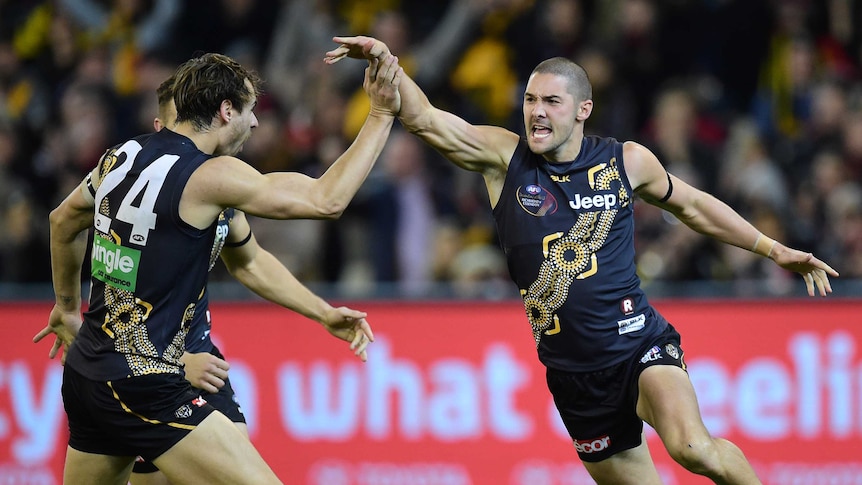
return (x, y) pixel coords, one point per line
(165, 91)
(202, 83)
(579, 83)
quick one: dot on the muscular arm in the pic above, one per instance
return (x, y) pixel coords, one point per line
(708, 215)
(483, 149)
(261, 272)
(228, 182)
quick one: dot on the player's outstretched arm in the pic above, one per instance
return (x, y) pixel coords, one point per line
(483, 149)
(262, 273)
(708, 215)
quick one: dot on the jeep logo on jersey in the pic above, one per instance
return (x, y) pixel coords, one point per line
(592, 446)
(597, 202)
(115, 265)
(536, 200)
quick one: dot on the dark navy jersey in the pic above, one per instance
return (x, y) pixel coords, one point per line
(149, 267)
(567, 230)
(198, 339)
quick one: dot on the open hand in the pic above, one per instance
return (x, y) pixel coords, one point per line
(815, 272)
(350, 325)
(358, 47)
(382, 78)
(64, 325)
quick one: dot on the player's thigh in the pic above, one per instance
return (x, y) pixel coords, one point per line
(667, 402)
(215, 452)
(243, 428)
(152, 478)
(83, 468)
(629, 467)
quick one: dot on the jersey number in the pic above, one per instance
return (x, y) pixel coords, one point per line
(144, 192)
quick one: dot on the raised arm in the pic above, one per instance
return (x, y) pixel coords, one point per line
(708, 215)
(228, 182)
(261, 272)
(483, 149)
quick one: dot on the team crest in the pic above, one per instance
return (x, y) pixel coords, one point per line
(536, 200)
(183, 412)
(672, 351)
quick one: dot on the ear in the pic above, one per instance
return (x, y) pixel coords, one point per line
(585, 108)
(157, 124)
(226, 111)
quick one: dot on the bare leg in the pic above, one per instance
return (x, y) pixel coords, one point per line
(216, 452)
(159, 478)
(666, 400)
(89, 469)
(630, 467)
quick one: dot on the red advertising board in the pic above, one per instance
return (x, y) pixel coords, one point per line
(453, 393)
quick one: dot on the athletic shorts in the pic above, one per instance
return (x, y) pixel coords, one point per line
(224, 400)
(137, 416)
(599, 408)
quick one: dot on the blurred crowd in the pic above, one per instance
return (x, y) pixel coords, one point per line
(756, 101)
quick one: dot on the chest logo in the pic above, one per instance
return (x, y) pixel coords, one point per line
(596, 202)
(536, 200)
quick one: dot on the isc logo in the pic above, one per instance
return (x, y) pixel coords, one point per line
(592, 446)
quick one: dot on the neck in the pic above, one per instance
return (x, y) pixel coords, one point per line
(205, 141)
(568, 151)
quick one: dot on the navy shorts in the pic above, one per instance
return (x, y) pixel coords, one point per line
(224, 400)
(599, 408)
(137, 416)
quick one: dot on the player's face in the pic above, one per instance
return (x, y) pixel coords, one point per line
(241, 125)
(549, 117)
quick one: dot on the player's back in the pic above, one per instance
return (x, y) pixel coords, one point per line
(148, 266)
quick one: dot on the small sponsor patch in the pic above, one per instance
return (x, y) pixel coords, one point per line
(593, 445)
(536, 200)
(199, 401)
(183, 412)
(627, 305)
(653, 354)
(632, 324)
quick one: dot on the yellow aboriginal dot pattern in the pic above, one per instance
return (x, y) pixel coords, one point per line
(571, 255)
(125, 323)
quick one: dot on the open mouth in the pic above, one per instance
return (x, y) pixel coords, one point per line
(539, 131)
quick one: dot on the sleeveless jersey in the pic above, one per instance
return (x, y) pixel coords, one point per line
(567, 230)
(198, 339)
(148, 266)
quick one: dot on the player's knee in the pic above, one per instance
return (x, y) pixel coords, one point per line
(697, 456)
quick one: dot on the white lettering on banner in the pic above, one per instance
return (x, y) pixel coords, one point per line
(810, 474)
(13, 475)
(336, 472)
(325, 409)
(451, 400)
(540, 472)
(36, 415)
(835, 379)
(766, 392)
